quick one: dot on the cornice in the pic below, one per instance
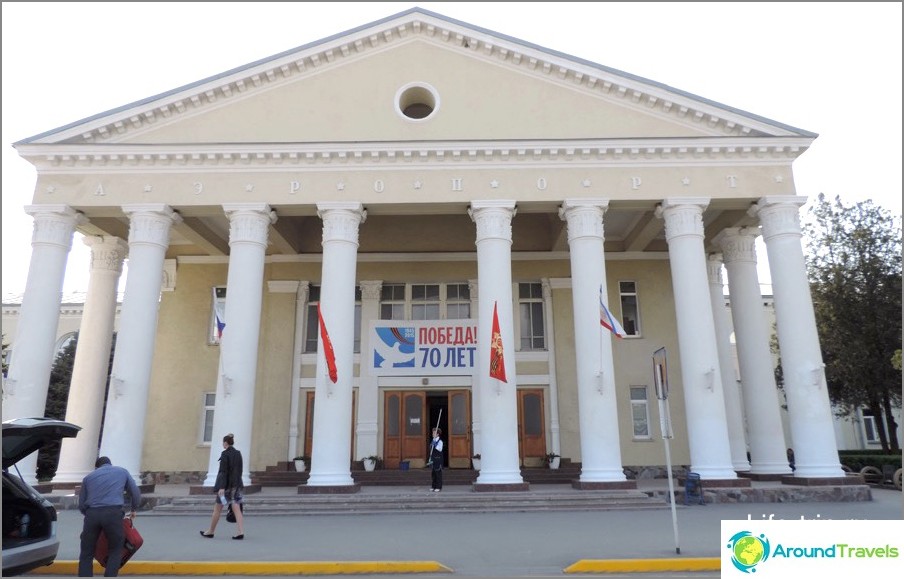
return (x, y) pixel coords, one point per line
(54, 158)
(501, 50)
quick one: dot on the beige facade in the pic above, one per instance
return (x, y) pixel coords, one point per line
(384, 156)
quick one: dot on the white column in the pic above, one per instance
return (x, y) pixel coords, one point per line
(368, 395)
(554, 427)
(764, 421)
(301, 308)
(473, 289)
(597, 402)
(249, 225)
(737, 439)
(25, 388)
(809, 409)
(498, 400)
(124, 419)
(700, 373)
(330, 453)
(92, 358)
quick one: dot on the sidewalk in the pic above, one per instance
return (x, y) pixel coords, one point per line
(465, 544)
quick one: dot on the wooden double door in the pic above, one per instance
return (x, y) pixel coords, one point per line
(410, 416)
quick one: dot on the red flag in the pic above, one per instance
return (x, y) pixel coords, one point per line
(327, 348)
(497, 363)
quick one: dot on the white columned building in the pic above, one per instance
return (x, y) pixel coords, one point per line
(764, 422)
(85, 406)
(123, 431)
(498, 401)
(700, 372)
(597, 405)
(734, 412)
(331, 451)
(809, 409)
(25, 388)
(249, 224)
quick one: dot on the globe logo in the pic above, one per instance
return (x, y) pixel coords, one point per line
(748, 551)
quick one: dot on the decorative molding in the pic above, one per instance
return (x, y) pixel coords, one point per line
(283, 286)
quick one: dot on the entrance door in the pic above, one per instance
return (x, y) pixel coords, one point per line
(459, 434)
(531, 428)
(309, 422)
(405, 429)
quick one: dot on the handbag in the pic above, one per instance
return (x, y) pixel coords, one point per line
(230, 515)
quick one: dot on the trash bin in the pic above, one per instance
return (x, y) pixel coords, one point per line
(404, 465)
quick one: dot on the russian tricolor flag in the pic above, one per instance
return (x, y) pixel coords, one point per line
(608, 321)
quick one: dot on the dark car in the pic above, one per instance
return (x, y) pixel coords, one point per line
(29, 520)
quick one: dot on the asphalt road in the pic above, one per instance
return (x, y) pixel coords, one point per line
(535, 544)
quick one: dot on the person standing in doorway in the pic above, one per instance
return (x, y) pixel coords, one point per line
(101, 501)
(229, 489)
(436, 461)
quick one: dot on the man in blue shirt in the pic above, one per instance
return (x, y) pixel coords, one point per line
(102, 501)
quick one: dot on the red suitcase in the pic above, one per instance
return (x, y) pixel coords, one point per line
(132, 544)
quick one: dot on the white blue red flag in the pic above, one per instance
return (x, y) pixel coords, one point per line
(220, 311)
(608, 321)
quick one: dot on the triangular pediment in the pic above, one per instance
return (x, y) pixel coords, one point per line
(482, 86)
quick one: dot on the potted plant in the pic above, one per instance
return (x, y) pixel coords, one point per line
(475, 460)
(301, 463)
(370, 462)
(553, 460)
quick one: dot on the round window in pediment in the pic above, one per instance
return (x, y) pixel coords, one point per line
(417, 101)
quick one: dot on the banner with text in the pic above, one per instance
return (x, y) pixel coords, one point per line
(423, 348)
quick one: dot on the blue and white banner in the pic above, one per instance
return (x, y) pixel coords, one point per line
(423, 348)
(813, 548)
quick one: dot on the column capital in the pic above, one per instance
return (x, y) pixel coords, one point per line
(150, 223)
(249, 222)
(341, 220)
(714, 268)
(107, 252)
(584, 217)
(779, 215)
(683, 216)
(370, 289)
(54, 224)
(738, 244)
(493, 218)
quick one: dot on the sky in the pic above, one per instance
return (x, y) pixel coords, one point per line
(832, 68)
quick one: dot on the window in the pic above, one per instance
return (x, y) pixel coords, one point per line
(312, 329)
(217, 316)
(209, 400)
(392, 302)
(627, 291)
(530, 309)
(458, 301)
(425, 301)
(640, 412)
(870, 430)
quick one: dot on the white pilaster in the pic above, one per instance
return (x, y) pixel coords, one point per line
(498, 400)
(473, 289)
(700, 373)
(85, 405)
(25, 388)
(126, 413)
(809, 409)
(597, 401)
(554, 428)
(368, 396)
(301, 307)
(330, 454)
(764, 421)
(737, 439)
(249, 225)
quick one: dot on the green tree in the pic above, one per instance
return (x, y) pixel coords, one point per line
(55, 407)
(854, 266)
